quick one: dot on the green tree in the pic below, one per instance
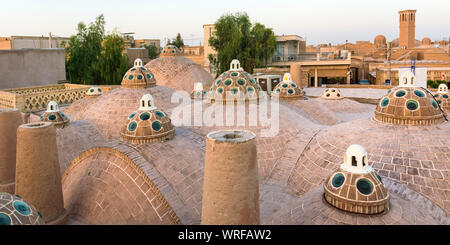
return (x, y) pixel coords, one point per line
(178, 41)
(153, 51)
(112, 63)
(235, 38)
(83, 50)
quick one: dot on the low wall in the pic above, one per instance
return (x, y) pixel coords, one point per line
(31, 67)
(359, 86)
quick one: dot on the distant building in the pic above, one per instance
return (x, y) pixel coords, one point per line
(18, 42)
(208, 31)
(288, 47)
(195, 53)
(139, 43)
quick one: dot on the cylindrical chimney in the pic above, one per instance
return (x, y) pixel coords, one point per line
(10, 120)
(38, 178)
(49, 40)
(230, 187)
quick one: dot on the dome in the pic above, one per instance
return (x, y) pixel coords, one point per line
(442, 97)
(356, 187)
(408, 106)
(138, 76)
(287, 89)
(199, 92)
(380, 41)
(234, 84)
(15, 211)
(179, 73)
(426, 41)
(54, 115)
(94, 92)
(147, 124)
(332, 94)
(170, 50)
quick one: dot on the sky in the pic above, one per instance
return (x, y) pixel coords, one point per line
(319, 21)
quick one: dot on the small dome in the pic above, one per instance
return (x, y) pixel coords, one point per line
(380, 41)
(356, 187)
(426, 41)
(138, 76)
(199, 92)
(234, 84)
(94, 92)
(15, 211)
(287, 89)
(54, 115)
(442, 97)
(408, 106)
(148, 124)
(332, 94)
(170, 50)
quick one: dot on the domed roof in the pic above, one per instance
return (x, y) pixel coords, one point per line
(426, 41)
(108, 112)
(235, 85)
(94, 92)
(148, 124)
(179, 73)
(15, 211)
(138, 76)
(408, 105)
(355, 187)
(379, 41)
(170, 50)
(332, 94)
(199, 92)
(442, 97)
(287, 89)
(54, 115)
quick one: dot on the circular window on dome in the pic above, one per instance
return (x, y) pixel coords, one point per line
(148, 76)
(290, 91)
(400, 93)
(63, 115)
(99, 90)
(164, 51)
(130, 77)
(412, 105)
(252, 81)
(390, 90)
(284, 85)
(145, 116)
(419, 93)
(278, 90)
(379, 178)
(219, 90)
(234, 90)
(228, 82)
(338, 180)
(293, 85)
(234, 74)
(328, 95)
(139, 77)
(439, 102)
(159, 114)
(143, 69)
(241, 82)
(173, 51)
(364, 186)
(5, 219)
(250, 89)
(445, 96)
(435, 105)
(41, 117)
(91, 90)
(132, 115)
(218, 82)
(22, 207)
(384, 102)
(436, 95)
(133, 69)
(52, 117)
(132, 126)
(156, 125)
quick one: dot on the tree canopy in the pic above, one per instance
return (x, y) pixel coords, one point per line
(236, 38)
(153, 51)
(92, 57)
(178, 41)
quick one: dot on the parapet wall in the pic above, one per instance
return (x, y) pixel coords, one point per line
(31, 67)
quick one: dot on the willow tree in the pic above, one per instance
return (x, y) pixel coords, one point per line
(236, 38)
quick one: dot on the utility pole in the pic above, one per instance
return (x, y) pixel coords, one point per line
(49, 40)
(389, 61)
